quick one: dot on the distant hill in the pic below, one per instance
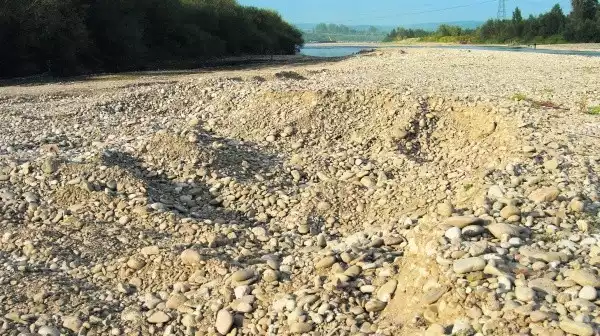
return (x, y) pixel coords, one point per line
(311, 26)
(434, 25)
(386, 29)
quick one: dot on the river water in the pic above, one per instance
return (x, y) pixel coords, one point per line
(339, 51)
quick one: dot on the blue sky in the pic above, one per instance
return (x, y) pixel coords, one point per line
(398, 12)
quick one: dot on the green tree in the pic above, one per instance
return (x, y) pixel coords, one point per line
(584, 10)
(517, 16)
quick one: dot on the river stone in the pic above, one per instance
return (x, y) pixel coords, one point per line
(175, 301)
(136, 263)
(544, 285)
(434, 294)
(445, 209)
(367, 182)
(576, 328)
(453, 233)
(386, 291)
(158, 317)
(539, 316)
(300, 327)
(500, 230)
(48, 331)
(551, 164)
(524, 294)
(462, 221)
(588, 293)
(467, 265)
(576, 205)
(190, 257)
(495, 192)
(546, 194)
(325, 262)
(536, 253)
(72, 323)
(242, 275)
(509, 211)
(224, 322)
(375, 305)
(583, 277)
(473, 230)
(150, 250)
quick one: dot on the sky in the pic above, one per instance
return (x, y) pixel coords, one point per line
(398, 12)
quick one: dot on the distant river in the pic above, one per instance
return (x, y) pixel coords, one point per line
(345, 50)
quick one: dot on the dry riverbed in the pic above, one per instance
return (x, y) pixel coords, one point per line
(426, 192)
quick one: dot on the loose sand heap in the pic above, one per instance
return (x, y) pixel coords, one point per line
(432, 192)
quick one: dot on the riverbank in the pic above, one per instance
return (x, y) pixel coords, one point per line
(569, 46)
(401, 192)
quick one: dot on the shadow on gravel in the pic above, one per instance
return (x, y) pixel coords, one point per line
(196, 67)
(241, 161)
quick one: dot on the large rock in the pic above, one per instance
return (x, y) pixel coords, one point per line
(467, 265)
(576, 328)
(584, 278)
(546, 194)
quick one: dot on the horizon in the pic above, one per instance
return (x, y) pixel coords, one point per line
(394, 13)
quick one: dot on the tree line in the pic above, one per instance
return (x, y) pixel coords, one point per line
(67, 37)
(582, 25)
(342, 33)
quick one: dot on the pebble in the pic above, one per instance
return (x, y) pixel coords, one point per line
(462, 221)
(224, 322)
(49, 331)
(72, 323)
(190, 257)
(588, 293)
(300, 327)
(242, 275)
(158, 317)
(473, 264)
(547, 194)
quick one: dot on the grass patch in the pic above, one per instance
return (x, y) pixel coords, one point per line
(594, 110)
(519, 97)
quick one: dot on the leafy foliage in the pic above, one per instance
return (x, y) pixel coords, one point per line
(581, 25)
(64, 37)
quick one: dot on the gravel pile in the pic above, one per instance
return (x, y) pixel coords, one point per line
(393, 193)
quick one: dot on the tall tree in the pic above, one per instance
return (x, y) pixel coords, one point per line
(517, 16)
(584, 9)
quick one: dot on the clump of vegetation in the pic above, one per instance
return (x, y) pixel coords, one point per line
(594, 110)
(536, 103)
(67, 37)
(289, 75)
(519, 97)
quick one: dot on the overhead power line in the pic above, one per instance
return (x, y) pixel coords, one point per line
(430, 10)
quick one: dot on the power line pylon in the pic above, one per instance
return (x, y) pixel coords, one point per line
(501, 9)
